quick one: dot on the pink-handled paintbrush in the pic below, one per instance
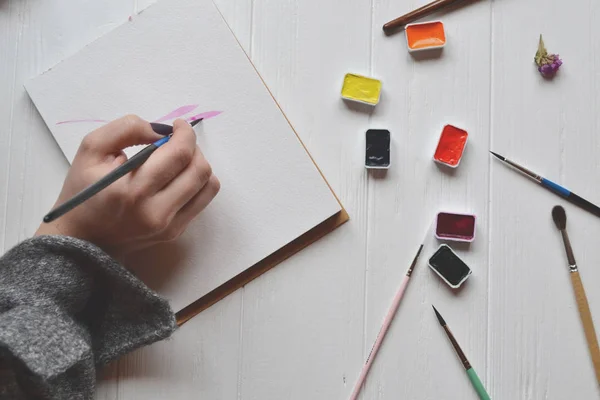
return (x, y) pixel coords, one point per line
(385, 327)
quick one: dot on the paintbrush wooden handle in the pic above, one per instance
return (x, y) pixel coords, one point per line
(416, 14)
(586, 320)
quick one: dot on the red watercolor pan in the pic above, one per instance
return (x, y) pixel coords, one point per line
(451, 146)
(456, 227)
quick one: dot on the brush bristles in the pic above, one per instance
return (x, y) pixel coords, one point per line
(439, 317)
(498, 156)
(560, 217)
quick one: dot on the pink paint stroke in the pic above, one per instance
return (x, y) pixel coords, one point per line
(205, 115)
(172, 115)
(72, 121)
(178, 112)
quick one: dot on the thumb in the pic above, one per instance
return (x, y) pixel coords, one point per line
(119, 134)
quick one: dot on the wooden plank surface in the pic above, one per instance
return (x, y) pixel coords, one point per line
(302, 321)
(303, 330)
(537, 344)
(36, 36)
(422, 94)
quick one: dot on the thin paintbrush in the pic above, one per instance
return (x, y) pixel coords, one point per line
(554, 187)
(560, 219)
(134, 162)
(385, 327)
(475, 381)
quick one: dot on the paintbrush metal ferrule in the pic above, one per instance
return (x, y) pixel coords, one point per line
(414, 263)
(524, 170)
(573, 268)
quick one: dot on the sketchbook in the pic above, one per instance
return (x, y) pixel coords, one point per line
(179, 59)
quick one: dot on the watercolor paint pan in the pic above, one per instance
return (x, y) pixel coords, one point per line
(361, 89)
(377, 149)
(425, 36)
(449, 266)
(455, 227)
(451, 146)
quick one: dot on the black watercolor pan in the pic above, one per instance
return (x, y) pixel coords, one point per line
(449, 266)
(377, 152)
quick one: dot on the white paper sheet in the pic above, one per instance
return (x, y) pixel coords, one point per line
(176, 53)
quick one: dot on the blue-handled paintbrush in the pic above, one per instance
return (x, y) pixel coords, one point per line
(554, 187)
(134, 162)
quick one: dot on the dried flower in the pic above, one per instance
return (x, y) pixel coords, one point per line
(548, 64)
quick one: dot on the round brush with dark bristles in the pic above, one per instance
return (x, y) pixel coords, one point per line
(475, 381)
(560, 219)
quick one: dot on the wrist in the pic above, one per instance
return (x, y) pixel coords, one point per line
(56, 228)
(47, 229)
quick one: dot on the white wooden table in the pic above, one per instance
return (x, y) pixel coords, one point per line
(303, 330)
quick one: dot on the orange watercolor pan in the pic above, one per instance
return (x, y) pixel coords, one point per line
(425, 36)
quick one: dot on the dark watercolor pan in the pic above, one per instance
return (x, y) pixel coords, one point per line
(377, 151)
(449, 266)
(456, 227)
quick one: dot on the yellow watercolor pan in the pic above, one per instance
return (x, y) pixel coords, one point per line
(361, 89)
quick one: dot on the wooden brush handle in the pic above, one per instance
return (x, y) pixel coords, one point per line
(416, 14)
(586, 320)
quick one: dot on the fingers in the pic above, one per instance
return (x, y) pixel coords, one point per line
(179, 191)
(193, 208)
(169, 160)
(117, 135)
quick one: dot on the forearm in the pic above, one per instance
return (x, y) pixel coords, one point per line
(66, 306)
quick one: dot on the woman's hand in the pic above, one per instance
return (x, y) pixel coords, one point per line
(152, 204)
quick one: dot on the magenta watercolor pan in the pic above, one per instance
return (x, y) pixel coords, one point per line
(456, 227)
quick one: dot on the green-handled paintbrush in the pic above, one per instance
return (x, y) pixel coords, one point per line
(483, 395)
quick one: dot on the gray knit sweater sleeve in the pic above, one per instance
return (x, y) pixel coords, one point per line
(67, 307)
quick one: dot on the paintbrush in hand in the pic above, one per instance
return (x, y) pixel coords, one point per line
(560, 219)
(134, 162)
(475, 381)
